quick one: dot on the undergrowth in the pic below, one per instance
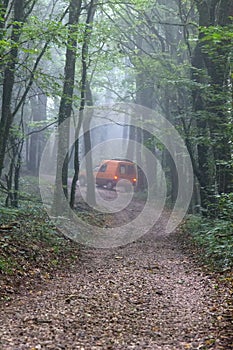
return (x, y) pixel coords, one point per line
(30, 247)
(214, 237)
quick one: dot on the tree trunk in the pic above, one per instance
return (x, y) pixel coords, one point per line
(38, 107)
(65, 110)
(86, 97)
(8, 81)
(212, 118)
(218, 68)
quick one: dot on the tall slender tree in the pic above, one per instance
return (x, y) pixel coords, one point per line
(66, 107)
(9, 77)
(211, 98)
(84, 118)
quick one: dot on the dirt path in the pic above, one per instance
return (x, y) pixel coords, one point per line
(146, 295)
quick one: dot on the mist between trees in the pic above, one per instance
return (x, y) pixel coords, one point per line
(173, 57)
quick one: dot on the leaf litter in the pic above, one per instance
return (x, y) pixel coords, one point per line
(149, 294)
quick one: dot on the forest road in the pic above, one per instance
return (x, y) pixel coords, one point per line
(146, 295)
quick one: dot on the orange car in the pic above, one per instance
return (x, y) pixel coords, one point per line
(111, 171)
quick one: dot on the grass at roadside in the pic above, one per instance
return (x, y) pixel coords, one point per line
(214, 238)
(30, 248)
(211, 241)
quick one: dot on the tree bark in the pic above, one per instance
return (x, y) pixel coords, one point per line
(86, 98)
(212, 117)
(38, 110)
(8, 81)
(65, 110)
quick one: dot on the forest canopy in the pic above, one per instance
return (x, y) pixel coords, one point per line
(172, 57)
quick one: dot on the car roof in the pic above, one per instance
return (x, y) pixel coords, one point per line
(117, 161)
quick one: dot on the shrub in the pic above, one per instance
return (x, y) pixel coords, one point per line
(215, 237)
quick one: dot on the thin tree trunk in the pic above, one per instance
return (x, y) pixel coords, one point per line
(85, 94)
(8, 82)
(38, 108)
(65, 110)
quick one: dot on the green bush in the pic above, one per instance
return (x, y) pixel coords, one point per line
(225, 206)
(215, 237)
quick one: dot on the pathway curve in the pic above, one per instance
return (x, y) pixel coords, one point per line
(146, 295)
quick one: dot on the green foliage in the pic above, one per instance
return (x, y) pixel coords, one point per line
(30, 246)
(214, 237)
(225, 206)
(218, 44)
(7, 213)
(36, 30)
(30, 219)
(152, 142)
(217, 34)
(7, 265)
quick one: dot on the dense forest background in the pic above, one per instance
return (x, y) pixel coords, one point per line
(61, 62)
(174, 57)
